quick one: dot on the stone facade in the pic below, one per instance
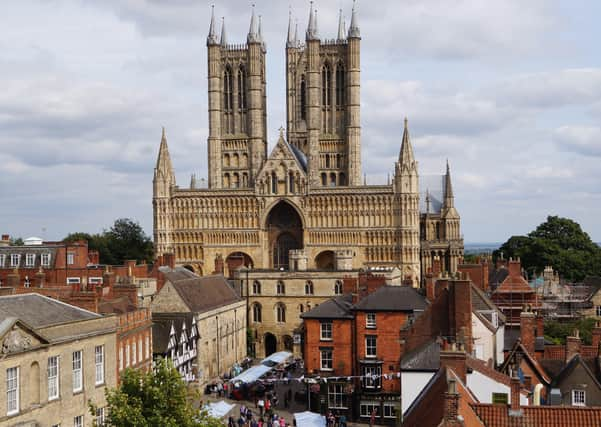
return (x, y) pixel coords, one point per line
(31, 349)
(307, 193)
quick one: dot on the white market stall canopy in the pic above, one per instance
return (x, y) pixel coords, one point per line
(219, 409)
(277, 358)
(309, 419)
(251, 374)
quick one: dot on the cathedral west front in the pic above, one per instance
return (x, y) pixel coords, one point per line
(302, 205)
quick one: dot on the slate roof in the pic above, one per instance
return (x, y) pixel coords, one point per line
(496, 277)
(161, 326)
(300, 156)
(424, 358)
(569, 367)
(481, 302)
(393, 298)
(431, 186)
(335, 308)
(23, 251)
(201, 293)
(39, 311)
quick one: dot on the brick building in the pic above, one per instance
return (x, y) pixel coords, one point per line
(360, 340)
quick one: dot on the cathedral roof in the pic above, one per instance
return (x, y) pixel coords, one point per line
(433, 187)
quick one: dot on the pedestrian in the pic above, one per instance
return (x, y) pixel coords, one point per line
(242, 410)
(267, 405)
(372, 418)
(282, 422)
(241, 421)
(261, 405)
(342, 420)
(249, 414)
(219, 389)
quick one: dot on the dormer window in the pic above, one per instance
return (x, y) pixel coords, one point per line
(45, 260)
(14, 260)
(29, 260)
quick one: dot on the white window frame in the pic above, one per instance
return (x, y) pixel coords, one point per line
(77, 365)
(326, 363)
(99, 363)
(78, 421)
(95, 280)
(100, 417)
(12, 391)
(140, 350)
(134, 353)
(578, 398)
(147, 342)
(338, 287)
(121, 357)
(598, 310)
(45, 259)
(53, 375)
(336, 396)
(368, 381)
(325, 331)
(389, 410)
(29, 260)
(15, 259)
(371, 351)
(27, 282)
(370, 320)
(127, 356)
(70, 258)
(73, 280)
(2, 260)
(367, 406)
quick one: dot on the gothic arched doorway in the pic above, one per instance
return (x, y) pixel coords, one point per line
(285, 232)
(325, 260)
(271, 344)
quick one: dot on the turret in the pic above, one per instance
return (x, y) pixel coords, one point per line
(406, 177)
(212, 37)
(164, 178)
(223, 39)
(291, 40)
(354, 100)
(353, 31)
(341, 32)
(253, 32)
(448, 190)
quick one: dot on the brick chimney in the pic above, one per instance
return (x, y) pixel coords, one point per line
(515, 267)
(108, 279)
(515, 396)
(597, 336)
(451, 405)
(528, 330)
(572, 345)
(455, 360)
(430, 290)
(436, 266)
(460, 311)
(540, 325)
(5, 240)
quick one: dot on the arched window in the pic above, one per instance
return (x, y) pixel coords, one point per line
(340, 85)
(280, 288)
(280, 313)
(226, 180)
(235, 160)
(325, 85)
(235, 181)
(303, 98)
(228, 90)
(257, 318)
(226, 160)
(327, 161)
(274, 183)
(338, 287)
(256, 287)
(242, 88)
(342, 179)
(244, 160)
(332, 179)
(301, 308)
(309, 288)
(245, 179)
(291, 182)
(324, 179)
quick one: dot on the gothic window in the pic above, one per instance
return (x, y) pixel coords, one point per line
(291, 182)
(245, 179)
(256, 287)
(324, 179)
(226, 180)
(280, 288)
(327, 161)
(342, 179)
(226, 160)
(244, 160)
(280, 311)
(228, 90)
(235, 160)
(338, 287)
(303, 98)
(274, 183)
(241, 89)
(257, 312)
(309, 288)
(235, 181)
(340, 85)
(301, 308)
(332, 179)
(438, 234)
(325, 86)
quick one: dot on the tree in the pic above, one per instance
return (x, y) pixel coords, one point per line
(16, 241)
(123, 241)
(559, 242)
(155, 398)
(557, 331)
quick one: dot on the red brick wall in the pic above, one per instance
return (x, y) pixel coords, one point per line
(342, 344)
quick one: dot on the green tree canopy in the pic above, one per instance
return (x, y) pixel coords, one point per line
(124, 240)
(153, 399)
(558, 242)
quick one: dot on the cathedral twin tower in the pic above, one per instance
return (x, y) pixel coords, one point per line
(302, 205)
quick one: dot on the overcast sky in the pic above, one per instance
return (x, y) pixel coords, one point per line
(509, 91)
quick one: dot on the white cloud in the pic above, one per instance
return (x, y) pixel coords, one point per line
(585, 140)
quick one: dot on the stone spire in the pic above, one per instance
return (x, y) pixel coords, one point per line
(312, 27)
(291, 42)
(212, 37)
(341, 26)
(448, 188)
(223, 40)
(427, 201)
(406, 157)
(163, 172)
(193, 181)
(353, 30)
(260, 31)
(253, 33)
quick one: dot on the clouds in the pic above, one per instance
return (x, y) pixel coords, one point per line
(508, 91)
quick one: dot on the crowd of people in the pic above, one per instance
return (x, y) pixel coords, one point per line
(266, 417)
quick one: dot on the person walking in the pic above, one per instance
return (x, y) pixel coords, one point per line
(261, 405)
(372, 418)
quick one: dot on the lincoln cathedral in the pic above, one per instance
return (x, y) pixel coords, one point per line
(302, 205)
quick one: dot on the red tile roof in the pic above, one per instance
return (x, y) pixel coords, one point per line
(538, 416)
